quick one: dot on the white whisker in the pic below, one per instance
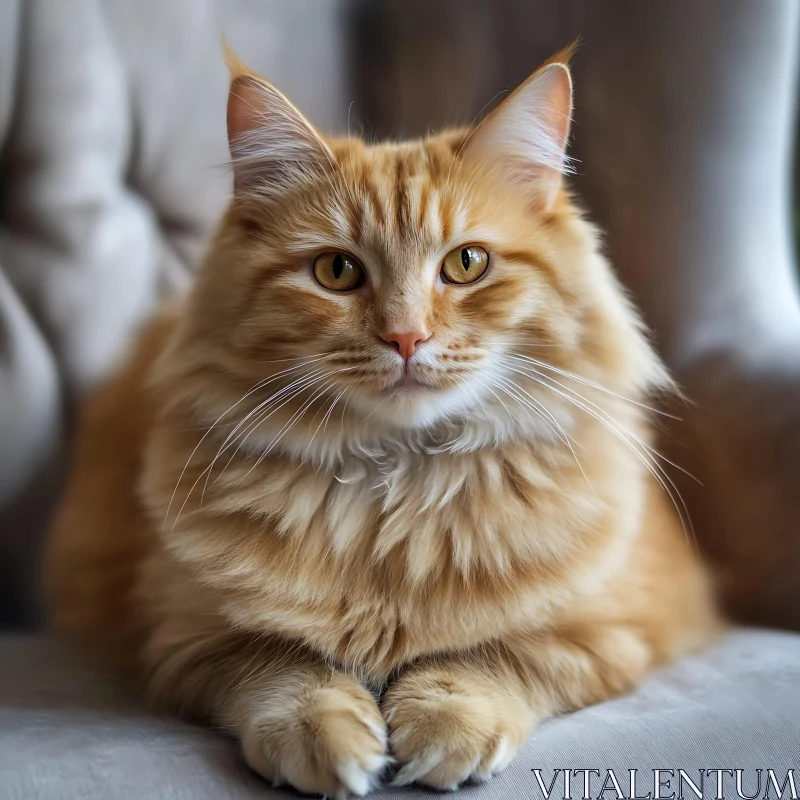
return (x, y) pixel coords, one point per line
(592, 384)
(205, 473)
(255, 388)
(559, 431)
(646, 455)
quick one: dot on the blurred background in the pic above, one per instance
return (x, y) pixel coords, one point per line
(112, 153)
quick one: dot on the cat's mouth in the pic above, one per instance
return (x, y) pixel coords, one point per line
(409, 383)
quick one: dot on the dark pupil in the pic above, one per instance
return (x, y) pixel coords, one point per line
(338, 267)
(465, 259)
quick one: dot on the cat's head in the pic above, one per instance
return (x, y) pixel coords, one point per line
(411, 282)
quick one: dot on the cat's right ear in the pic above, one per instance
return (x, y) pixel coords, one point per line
(272, 145)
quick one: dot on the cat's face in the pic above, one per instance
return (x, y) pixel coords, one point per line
(403, 280)
(407, 282)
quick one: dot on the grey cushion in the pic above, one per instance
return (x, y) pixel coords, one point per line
(68, 732)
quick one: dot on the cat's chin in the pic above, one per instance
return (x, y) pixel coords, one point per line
(411, 403)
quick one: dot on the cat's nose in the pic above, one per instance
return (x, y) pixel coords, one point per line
(405, 343)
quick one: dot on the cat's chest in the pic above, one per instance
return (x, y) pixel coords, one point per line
(419, 515)
(381, 562)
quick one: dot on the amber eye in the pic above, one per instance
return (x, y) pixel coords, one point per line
(338, 272)
(465, 265)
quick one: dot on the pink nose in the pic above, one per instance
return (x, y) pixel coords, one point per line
(405, 343)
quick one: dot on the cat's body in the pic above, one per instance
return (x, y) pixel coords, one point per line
(464, 515)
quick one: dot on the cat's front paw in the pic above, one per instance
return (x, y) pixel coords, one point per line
(447, 730)
(329, 741)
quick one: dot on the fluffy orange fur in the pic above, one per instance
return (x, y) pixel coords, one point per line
(279, 524)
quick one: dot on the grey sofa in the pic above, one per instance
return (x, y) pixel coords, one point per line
(67, 732)
(111, 146)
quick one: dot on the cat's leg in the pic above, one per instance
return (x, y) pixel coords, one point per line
(464, 717)
(298, 720)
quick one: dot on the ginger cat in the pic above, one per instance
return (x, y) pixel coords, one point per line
(381, 488)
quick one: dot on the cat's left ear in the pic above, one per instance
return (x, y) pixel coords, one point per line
(272, 144)
(525, 137)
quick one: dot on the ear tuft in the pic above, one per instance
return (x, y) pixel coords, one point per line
(236, 67)
(272, 145)
(526, 136)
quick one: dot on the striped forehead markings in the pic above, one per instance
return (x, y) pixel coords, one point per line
(402, 200)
